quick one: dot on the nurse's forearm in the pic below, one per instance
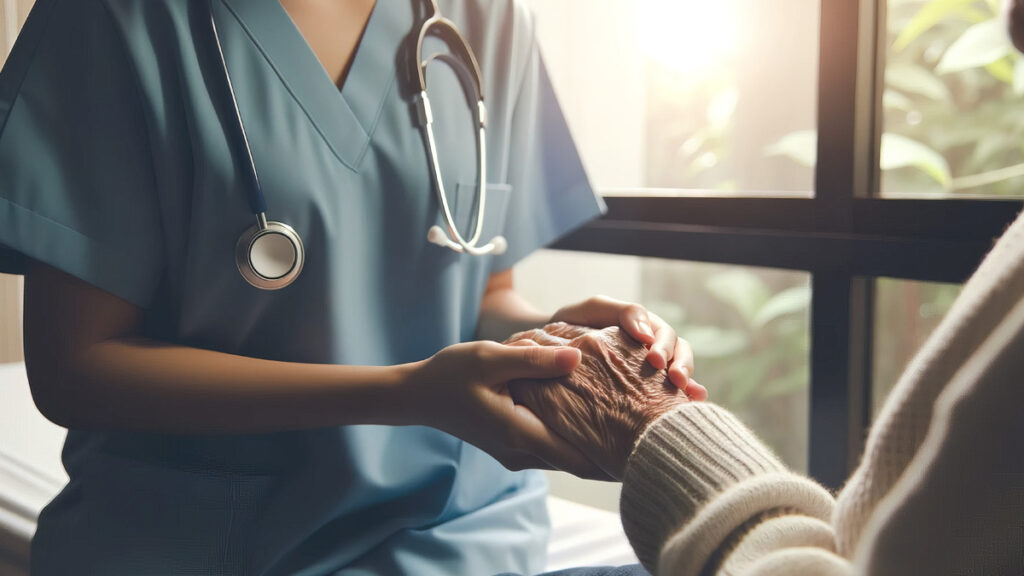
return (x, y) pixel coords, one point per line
(503, 312)
(147, 385)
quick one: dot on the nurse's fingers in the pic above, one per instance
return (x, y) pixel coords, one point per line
(532, 436)
(504, 363)
(602, 311)
(664, 346)
(695, 391)
(681, 369)
(639, 324)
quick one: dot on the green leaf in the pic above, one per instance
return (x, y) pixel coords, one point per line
(722, 108)
(745, 377)
(917, 80)
(925, 18)
(741, 289)
(989, 147)
(1018, 77)
(1001, 70)
(715, 342)
(979, 45)
(793, 382)
(791, 301)
(902, 152)
(742, 387)
(800, 146)
(896, 101)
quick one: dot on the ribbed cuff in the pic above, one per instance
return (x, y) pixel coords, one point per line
(684, 461)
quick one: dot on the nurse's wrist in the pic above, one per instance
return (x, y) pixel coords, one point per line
(406, 404)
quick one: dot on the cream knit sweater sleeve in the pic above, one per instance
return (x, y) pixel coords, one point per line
(702, 495)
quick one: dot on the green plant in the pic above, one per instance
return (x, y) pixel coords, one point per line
(952, 112)
(749, 332)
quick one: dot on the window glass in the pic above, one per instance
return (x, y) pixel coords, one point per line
(906, 313)
(748, 328)
(952, 101)
(667, 95)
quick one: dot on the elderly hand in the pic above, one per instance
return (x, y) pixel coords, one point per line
(667, 351)
(603, 405)
(463, 390)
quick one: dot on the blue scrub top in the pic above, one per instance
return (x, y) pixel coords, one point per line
(115, 167)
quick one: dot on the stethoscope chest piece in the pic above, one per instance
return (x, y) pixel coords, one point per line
(269, 255)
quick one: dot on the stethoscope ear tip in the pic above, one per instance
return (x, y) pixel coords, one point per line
(437, 236)
(500, 245)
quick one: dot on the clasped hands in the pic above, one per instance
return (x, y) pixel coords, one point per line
(604, 405)
(573, 396)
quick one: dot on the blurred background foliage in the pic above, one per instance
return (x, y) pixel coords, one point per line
(951, 104)
(953, 126)
(726, 104)
(749, 332)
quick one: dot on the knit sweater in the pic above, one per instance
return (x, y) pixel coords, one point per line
(939, 490)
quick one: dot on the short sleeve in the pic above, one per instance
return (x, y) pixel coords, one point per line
(77, 186)
(551, 194)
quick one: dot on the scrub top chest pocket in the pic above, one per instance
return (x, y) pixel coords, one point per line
(464, 211)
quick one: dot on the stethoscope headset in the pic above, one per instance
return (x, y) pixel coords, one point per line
(270, 254)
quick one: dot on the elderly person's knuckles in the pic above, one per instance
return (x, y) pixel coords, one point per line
(538, 336)
(565, 330)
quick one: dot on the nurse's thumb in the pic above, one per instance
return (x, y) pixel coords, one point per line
(536, 362)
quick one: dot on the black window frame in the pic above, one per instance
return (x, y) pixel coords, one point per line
(845, 236)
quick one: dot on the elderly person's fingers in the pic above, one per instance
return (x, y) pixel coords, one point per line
(551, 335)
(681, 368)
(565, 330)
(523, 342)
(534, 438)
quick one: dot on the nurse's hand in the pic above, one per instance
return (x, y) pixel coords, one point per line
(666, 351)
(463, 390)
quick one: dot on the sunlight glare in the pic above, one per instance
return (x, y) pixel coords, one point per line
(690, 37)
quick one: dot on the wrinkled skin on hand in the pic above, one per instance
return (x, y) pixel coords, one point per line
(604, 405)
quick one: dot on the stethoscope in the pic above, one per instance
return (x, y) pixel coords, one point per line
(270, 255)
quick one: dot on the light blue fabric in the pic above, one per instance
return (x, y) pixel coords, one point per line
(115, 167)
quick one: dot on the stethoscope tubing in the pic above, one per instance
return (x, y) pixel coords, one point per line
(253, 262)
(257, 201)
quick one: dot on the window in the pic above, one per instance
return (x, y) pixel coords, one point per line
(747, 326)
(681, 95)
(878, 175)
(951, 101)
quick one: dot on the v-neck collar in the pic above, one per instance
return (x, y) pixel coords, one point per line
(344, 118)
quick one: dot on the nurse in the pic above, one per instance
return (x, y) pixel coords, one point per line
(355, 421)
